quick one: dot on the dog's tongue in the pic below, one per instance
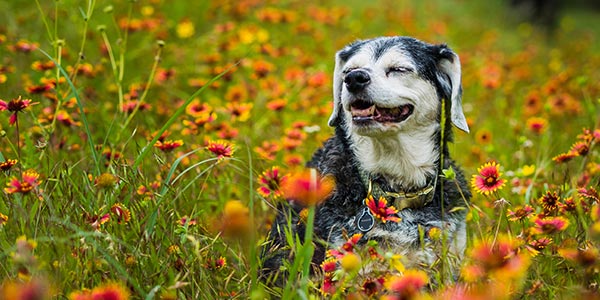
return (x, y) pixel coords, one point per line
(380, 114)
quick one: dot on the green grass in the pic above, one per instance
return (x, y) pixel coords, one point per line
(97, 158)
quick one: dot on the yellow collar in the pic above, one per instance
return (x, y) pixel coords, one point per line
(403, 199)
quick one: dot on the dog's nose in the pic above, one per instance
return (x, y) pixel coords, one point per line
(357, 80)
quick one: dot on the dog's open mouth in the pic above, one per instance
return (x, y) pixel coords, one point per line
(365, 111)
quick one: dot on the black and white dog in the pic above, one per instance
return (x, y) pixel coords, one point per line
(391, 96)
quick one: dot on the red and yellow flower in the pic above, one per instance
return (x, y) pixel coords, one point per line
(488, 179)
(8, 164)
(220, 149)
(520, 214)
(168, 146)
(499, 259)
(381, 210)
(122, 214)
(112, 291)
(409, 284)
(270, 182)
(15, 106)
(537, 125)
(550, 225)
(29, 181)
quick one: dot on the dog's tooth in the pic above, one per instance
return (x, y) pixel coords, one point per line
(405, 109)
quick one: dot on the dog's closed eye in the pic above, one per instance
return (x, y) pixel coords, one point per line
(398, 69)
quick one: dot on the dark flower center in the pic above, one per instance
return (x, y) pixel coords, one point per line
(16, 105)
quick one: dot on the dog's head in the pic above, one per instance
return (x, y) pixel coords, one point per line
(391, 84)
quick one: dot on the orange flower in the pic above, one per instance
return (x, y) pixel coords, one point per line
(163, 75)
(497, 260)
(520, 214)
(491, 75)
(488, 180)
(550, 225)
(24, 186)
(537, 125)
(239, 111)
(43, 66)
(563, 103)
(23, 46)
(483, 136)
(585, 257)
(64, 118)
(110, 291)
(318, 79)
(533, 103)
(352, 241)
(32, 289)
(220, 149)
(381, 210)
(295, 160)
(581, 148)
(197, 109)
(308, 187)
(8, 164)
(409, 284)
(565, 157)
(267, 150)
(236, 93)
(121, 212)
(262, 68)
(277, 104)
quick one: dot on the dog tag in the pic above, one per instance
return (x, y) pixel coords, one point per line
(365, 221)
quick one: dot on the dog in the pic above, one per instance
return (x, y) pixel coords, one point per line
(395, 100)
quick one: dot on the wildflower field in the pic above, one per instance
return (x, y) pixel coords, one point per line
(144, 144)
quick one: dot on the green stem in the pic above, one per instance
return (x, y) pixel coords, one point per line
(309, 248)
(253, 257)
(146, 87)
(80, 56)
(113, 64)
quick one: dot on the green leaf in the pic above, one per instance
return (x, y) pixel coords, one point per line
(449, 173)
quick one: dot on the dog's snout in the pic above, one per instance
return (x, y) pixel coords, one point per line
(357, 80)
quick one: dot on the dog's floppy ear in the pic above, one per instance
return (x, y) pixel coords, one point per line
(337, 91)
(449, 64)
